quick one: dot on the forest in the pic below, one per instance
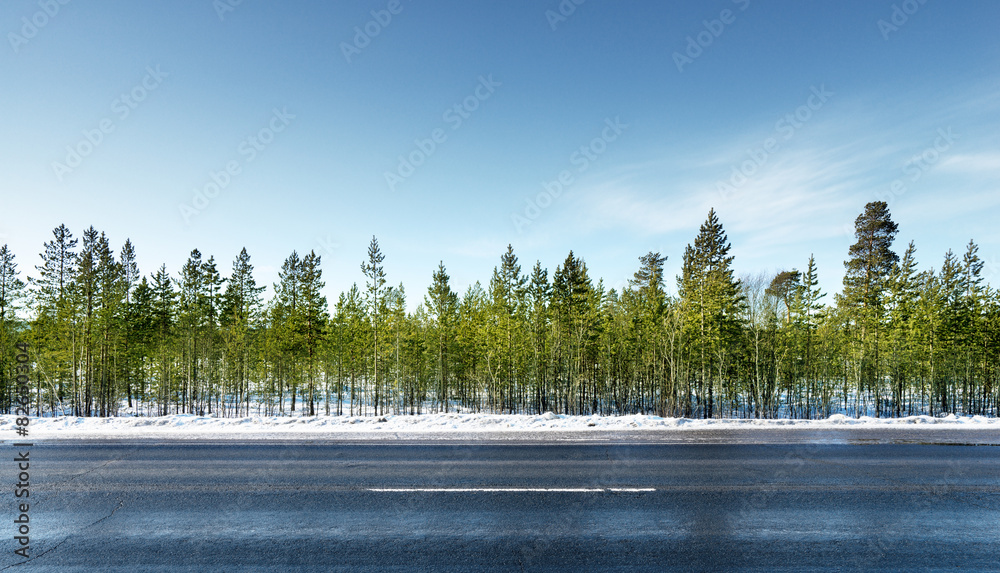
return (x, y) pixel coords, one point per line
(897, 341)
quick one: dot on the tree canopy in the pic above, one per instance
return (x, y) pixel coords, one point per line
(106, 339)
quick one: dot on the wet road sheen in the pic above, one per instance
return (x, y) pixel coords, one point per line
(485, 506)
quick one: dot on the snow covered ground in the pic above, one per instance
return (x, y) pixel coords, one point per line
(188, 426)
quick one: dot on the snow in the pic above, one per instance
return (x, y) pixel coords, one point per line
(189, 426)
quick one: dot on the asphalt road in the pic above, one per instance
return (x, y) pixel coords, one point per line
(484, 506)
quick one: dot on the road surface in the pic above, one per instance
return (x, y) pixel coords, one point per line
(696, 505)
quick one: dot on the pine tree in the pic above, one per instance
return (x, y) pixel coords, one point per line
(507, 289)
(85, 295)
(473, 321)
(899, 340)
(442, 305)
(352, 334)
(313, 317)
(11, 288)
(395, 309)
(240, 309)
(110, 298)
(807, 313)
(284, 339)
(865, 284)
(375, 275)
(212, 292)
(164, 321)
(646, 289)
(11, 294)
(211, 355)
(140, 349)
(951, 282)
(902, 310)
(648, 280)
(57, 272)
(53, 333)
(539, 293)
(783, 287)
(418, 351)
(571, 305)
(192, 323)
(973, 328)
(807, 307)
(712, 303)
(129, 276)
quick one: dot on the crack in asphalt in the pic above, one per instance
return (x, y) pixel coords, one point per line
(30, 559)
(100, 467)
(121, 504)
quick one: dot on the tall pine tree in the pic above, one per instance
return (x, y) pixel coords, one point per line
(712, 302)
(866, 283)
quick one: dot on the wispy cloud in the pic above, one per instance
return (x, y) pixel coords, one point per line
(799, 186)
(973, 163)
(813, 185)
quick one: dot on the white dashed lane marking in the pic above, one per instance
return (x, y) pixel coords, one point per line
(511, 489)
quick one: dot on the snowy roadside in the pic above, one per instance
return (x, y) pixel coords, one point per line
(435, 426)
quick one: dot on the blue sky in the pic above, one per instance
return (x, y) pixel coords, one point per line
(786, 117)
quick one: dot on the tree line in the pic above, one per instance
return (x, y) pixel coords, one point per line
(896, 341)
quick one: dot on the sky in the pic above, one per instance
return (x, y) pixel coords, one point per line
(450, 129)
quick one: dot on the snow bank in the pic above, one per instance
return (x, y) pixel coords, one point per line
(431, 425)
